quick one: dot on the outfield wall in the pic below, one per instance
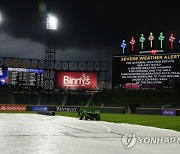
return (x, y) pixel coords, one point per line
(108, 102)
(120, 110)
(36, 108)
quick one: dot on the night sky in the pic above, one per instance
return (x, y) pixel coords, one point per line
(88, 29)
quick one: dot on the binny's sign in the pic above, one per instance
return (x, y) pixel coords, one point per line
(77, 80)
(81, 81)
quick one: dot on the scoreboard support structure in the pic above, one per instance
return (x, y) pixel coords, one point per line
(50, 59)
(102, 67)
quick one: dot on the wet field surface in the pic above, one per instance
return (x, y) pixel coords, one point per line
(42, 134)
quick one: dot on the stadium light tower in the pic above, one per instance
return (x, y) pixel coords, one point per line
(51, 28)
(0, 17)
(51, 22)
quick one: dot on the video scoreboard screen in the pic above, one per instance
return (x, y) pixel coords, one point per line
(22, 76)
(146, 71)
(73, 80)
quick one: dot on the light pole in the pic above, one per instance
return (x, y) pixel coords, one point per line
(132, 42)
(171, 40)
(51, 27)
(123, 45)
(161, 38)
(151, 38)
(142, 39)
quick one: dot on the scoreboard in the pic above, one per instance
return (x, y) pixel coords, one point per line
(146, 70)
(22, 77)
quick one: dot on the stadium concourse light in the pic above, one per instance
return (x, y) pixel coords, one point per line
(51, 22)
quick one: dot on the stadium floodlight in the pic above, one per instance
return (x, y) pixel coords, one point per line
(51, 22)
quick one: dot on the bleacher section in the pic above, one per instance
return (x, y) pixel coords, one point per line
(28, 99)
(142, 99)
(51, 99)
(76, 99)
(100, 99)
(5, 98)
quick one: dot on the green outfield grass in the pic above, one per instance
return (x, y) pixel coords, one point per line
(159, 121)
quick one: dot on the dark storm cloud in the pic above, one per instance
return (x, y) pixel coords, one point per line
(11, 46)
(87, 26)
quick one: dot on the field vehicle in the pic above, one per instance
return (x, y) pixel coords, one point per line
(89, 112)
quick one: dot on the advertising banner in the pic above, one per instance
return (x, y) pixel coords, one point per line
(39, 108)
(12, 107)
(76, 80)
(67, 109)
(169, 112)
